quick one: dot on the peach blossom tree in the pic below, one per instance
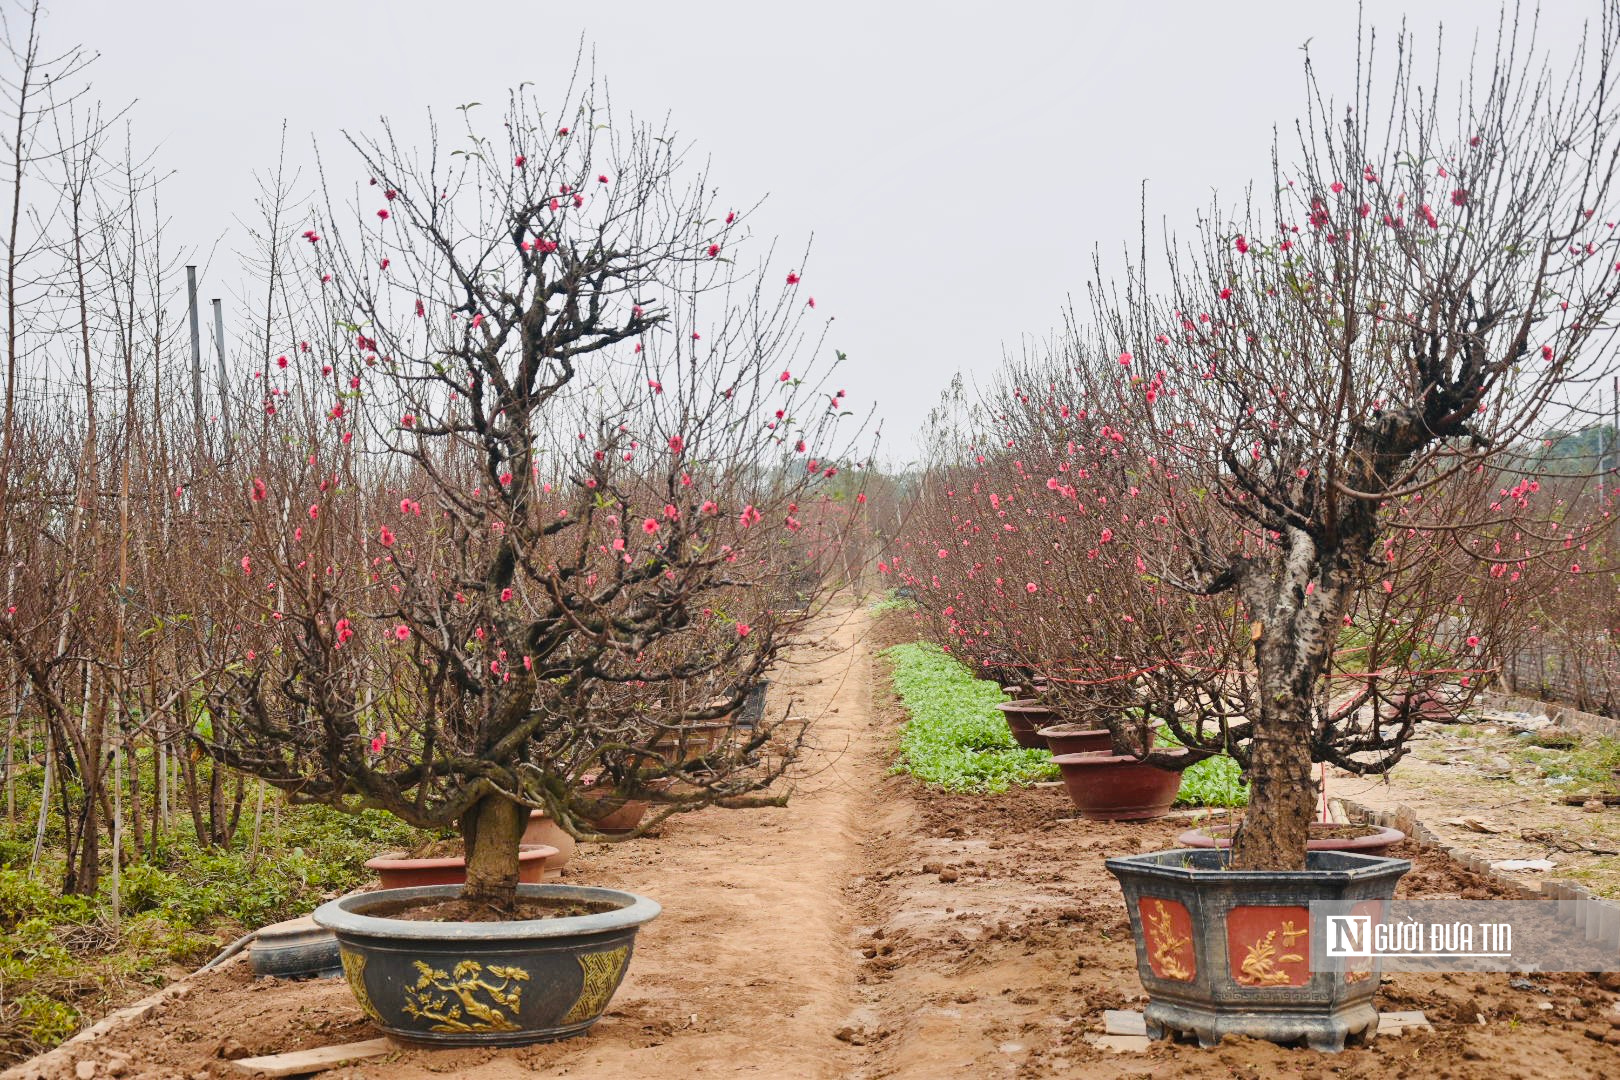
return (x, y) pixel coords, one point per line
(595, 432)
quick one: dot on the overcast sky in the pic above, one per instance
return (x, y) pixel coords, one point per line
(956, 163)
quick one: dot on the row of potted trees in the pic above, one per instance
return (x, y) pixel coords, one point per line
(1289, 503)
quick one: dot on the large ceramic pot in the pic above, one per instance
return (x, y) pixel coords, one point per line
(1228, 952)
(1025, 718)
(484, 983)
(1324, 836)
(543, 829)
(1077, 739)
(398, 871)
(1114, 787)
(610, 812)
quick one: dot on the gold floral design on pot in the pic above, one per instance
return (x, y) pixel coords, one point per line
(452, 999)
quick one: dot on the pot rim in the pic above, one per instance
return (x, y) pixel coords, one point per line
(1028, 706)
(634, 910)
(402, 861)
(1073, 731)
(1380, 836)
(1103, 757)
(1154, 864)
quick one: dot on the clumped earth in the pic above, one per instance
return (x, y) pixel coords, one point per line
(471, 911)
(1501, 795)
(873, 928)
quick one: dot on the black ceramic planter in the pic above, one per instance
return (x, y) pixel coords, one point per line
(485, 983)
(1227, 952)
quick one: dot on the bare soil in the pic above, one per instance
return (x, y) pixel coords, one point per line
(1319, 831)
(441, 848)
(873, 929)
(474, 911)
(1485, 774)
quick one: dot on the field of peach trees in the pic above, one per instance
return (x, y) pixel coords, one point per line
(526, 563)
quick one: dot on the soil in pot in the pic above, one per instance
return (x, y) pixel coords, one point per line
(458, 910)
(1025, 718)
(1077, 739)
(1324, 836)
(1113, 787)
(401, 871)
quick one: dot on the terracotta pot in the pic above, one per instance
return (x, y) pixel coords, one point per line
(1024, 718)
(618, 815)
(1111, 787)
(690, 742)
(1077, 739)
(541, 829)
(1230, 952)
(1377, 841)
(396, 871)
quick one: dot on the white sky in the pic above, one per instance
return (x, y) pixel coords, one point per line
(956, 163)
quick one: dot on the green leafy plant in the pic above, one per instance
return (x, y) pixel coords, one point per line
(892, 602)
(955, 738)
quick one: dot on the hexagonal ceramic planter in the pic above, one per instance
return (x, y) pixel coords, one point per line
(1226, 952)
(485, 983)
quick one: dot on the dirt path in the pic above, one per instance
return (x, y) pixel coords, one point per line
(749, 969)
(872, 929)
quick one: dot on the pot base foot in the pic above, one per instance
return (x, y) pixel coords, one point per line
(1322, 1031)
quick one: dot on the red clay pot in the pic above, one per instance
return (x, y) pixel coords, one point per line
(541, 829)
(690, 742)
(619, 815)
(1111, 787)
(1077, 739)
(1025, 717)
(1378, 840)
(398, 872)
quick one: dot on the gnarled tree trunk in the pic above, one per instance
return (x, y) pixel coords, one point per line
(492, 830)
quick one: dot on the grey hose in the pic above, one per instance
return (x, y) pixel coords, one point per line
(230, 950)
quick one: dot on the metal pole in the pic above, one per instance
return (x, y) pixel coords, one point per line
(196, 353)
(224, 395)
